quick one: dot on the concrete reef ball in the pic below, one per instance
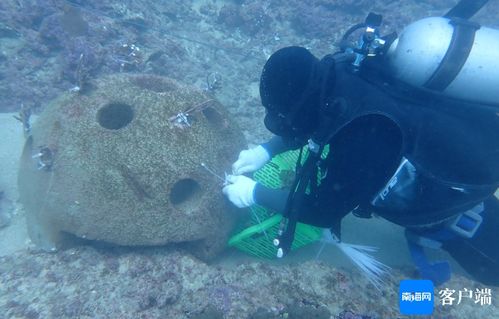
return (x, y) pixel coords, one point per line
(117, 164)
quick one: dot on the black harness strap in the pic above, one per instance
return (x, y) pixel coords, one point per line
(306, 175)
(292, 211)
(456, 55)
(465, 9)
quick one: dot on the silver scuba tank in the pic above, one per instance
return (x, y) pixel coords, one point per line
(456, 57)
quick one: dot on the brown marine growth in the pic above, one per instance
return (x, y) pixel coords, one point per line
(123, 172)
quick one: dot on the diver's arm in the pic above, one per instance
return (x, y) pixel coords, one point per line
(274, 199)
(254, 158)
(277, 145)
(310, 212)
(363, 156)
(243, 191)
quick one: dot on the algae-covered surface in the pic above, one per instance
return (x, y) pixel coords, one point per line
(89, 282)
(52, 49)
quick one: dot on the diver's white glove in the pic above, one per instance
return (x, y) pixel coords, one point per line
(250, 160)
(239, 190)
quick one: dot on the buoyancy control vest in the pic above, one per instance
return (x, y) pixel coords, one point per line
(438, 82)
(450, 146)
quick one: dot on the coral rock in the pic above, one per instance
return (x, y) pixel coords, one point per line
(115, 165)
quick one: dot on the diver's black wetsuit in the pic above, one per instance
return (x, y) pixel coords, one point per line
(450, 155)
(363, 156)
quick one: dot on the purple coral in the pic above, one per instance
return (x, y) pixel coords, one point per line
(223, 297)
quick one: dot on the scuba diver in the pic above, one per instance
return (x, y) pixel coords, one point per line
(412, 127)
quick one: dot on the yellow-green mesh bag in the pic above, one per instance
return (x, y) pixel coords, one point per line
(257, 238)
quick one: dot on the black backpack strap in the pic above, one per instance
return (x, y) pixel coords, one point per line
(294, 203)
(331, 114)
(456, 55)
(460, 46)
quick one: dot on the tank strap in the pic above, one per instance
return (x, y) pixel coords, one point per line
(465, 9)
(456, 55)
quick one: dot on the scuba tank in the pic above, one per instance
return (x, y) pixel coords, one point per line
(453, 56)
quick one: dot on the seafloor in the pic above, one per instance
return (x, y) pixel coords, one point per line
(48, 47)
(89, 282)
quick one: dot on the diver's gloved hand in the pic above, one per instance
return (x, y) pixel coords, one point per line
(250, 160)
(239, 190)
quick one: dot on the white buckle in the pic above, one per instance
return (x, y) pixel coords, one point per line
(474, 215)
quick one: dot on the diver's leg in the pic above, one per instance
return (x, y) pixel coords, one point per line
(479, 255)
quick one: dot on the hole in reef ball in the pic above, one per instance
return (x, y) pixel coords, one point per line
(184, 191)
(213, 116)
(114, 116)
